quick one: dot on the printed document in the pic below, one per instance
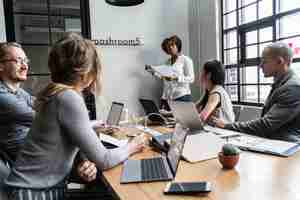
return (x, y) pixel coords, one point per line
(164, 70)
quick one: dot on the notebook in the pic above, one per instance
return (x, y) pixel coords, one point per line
(200, 147)
(264, 145)
(159, 168)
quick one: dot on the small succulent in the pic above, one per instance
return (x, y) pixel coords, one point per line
(230, 150)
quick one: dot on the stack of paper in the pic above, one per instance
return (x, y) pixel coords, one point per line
(165, 70)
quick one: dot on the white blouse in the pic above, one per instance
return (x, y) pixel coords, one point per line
(183, 69)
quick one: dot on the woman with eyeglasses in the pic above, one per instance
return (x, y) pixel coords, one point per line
(62, 127)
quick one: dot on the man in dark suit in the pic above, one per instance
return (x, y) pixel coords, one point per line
(280, 118)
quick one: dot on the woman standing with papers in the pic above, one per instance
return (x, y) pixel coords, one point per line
(177, 73)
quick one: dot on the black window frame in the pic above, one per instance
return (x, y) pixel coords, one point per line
(241, 29)
(10, 15)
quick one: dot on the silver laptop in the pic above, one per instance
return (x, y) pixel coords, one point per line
(114, 114)
(187, 115)
(159, 168)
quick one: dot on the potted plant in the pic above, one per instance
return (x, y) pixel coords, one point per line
(229, 156)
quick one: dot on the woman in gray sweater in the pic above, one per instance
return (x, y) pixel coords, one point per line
(62, 126)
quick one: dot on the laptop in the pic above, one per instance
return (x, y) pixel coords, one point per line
(114, 114)
(159, 168)
(112, 122)
(187, 115)
(150, 107)
(154, 114)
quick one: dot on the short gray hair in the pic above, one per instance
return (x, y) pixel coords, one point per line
(281, 49)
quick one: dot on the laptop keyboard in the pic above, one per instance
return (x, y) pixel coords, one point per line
(153, 169)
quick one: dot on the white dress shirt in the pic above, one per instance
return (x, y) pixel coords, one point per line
(184, 71)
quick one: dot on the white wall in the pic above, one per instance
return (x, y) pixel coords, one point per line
(204, 30)
(210, 30)
(124, 77)
(2, 23)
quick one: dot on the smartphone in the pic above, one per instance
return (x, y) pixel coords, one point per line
(187, 187)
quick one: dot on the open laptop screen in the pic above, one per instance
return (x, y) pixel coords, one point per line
(187, 115)
(176, 146)
(149, 106)
(114, 114)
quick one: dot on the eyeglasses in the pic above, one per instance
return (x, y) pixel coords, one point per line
(19, 61)
(265, 60)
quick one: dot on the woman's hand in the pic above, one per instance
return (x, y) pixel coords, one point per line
(87, 170)
(149, 69)
(218, 122)
(97, 124)
(137, 144)
(101, 127)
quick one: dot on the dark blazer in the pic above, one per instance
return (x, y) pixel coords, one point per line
(281, 113)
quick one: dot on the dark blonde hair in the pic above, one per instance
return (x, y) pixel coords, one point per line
(4, 46)
(72, 60)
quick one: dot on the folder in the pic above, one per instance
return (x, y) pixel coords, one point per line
(203, 146)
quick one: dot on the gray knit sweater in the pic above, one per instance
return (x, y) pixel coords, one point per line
(58, 131)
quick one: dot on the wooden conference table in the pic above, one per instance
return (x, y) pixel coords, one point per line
(256, 177)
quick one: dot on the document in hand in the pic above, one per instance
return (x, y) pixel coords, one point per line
(164, 70)
(202, 146)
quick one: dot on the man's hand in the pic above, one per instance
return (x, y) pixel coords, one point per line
(87, 170)
(170, 78)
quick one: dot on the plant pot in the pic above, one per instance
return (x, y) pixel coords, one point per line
(228, 162)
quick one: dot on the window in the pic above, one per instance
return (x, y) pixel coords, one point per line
(36, 25)
(249, 26)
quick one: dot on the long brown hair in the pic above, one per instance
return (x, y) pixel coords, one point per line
(72, 60)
